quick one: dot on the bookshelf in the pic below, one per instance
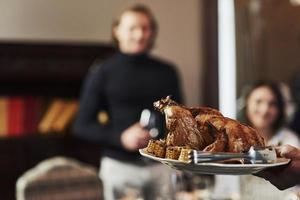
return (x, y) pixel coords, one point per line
(46, 71)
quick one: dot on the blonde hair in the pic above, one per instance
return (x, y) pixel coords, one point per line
(137, 8)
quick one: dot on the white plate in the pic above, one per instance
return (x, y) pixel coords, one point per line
(215, 168)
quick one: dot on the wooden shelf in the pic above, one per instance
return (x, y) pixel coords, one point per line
(47, 70)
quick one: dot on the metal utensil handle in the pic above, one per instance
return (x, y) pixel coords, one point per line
(209, 157)
(200, 154)
(204, 160)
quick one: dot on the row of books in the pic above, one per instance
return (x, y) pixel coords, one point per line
(25, 115)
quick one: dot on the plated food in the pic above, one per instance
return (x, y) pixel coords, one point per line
(200, 128)
(207, 130)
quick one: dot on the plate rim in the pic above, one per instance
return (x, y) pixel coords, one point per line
(284, 161)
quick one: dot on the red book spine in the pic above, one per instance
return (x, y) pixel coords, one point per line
(28, 114)
(15, 116)
(31, 115)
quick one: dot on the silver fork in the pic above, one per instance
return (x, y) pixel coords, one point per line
(256, 155)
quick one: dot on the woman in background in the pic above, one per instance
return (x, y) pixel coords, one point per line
(122, 87)
(264, 110)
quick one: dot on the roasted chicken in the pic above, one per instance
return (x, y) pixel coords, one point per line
(206, 129)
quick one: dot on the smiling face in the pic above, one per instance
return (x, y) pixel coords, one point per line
(262, 108)
(134, 32)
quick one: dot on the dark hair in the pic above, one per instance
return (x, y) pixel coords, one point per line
(137, 8)
(275, 89)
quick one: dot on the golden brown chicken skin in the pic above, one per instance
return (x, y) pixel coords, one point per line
(204, 128)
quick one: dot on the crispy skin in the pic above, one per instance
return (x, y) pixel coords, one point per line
(204, 128)
(183, 128)
(240, 137)
(204, 111)
(220, 144)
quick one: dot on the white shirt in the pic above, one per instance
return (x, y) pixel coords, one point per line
(285, 136)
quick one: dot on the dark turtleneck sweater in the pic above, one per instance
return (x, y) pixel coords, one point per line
(122, 86)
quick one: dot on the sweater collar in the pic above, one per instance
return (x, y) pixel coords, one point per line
(132, 57)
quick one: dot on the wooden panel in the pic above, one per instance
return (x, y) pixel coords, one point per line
(46, 69)
(210, 72)
(268, 40)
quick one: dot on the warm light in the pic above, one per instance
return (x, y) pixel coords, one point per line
(295, 2)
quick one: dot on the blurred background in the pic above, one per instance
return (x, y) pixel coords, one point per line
(179, 39)
(46, 48)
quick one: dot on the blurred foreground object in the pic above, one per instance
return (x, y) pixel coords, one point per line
(61, 179)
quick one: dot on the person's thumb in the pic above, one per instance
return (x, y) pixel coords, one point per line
(288, 151)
